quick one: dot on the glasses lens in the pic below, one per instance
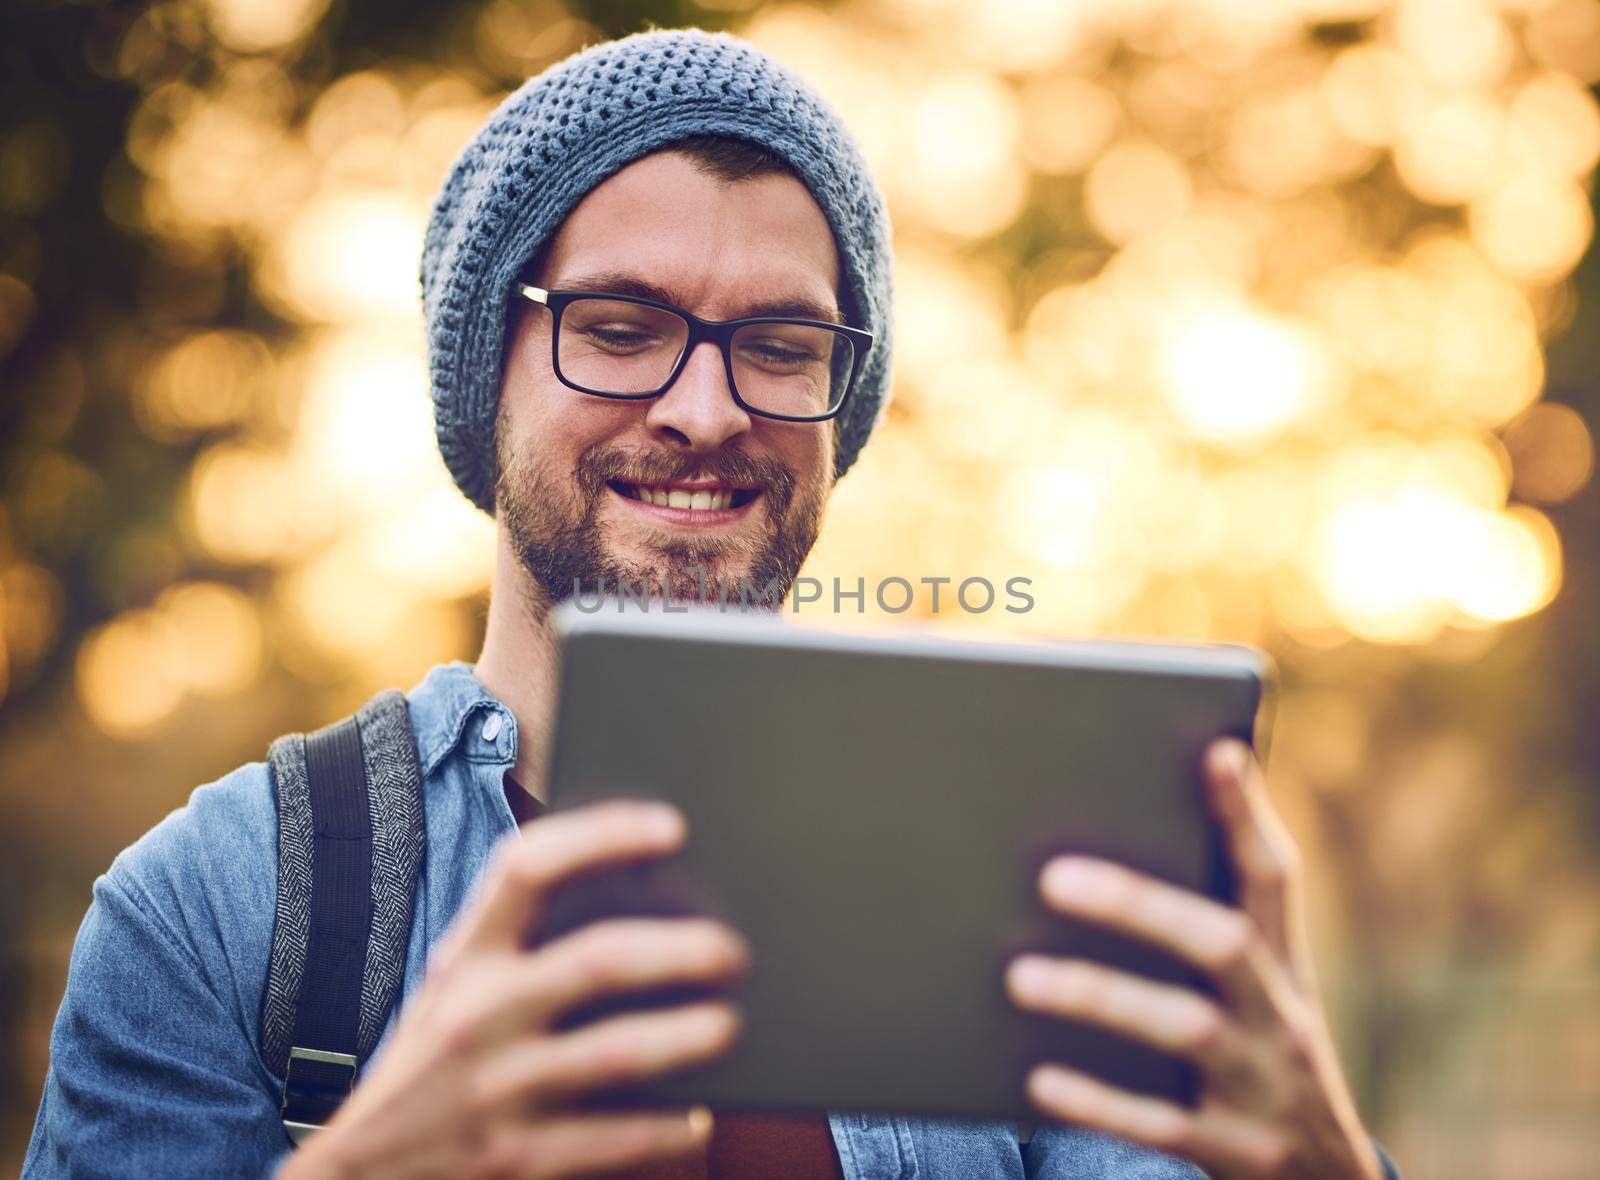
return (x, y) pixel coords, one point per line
(796, 370)
(612, 346)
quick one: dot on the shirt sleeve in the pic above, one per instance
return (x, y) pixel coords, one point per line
(152, 1072)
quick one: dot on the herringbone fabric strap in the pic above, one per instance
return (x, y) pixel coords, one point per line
(369, 833)
(394, 787)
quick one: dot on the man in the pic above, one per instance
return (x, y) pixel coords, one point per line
(611, 218)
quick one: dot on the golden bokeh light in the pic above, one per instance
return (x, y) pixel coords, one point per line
(252, 25)
(30, 613)
(359, 111)
(1455, 43)
(943, 312)
(1372, 92)
(365, 434)
(1066, 122)
(347, 256)
(1514, 568)
(1413, 539)
(217, 636)
(1451, 150)
(962, 173)
(1535, 228)
(1551, 453)
(126, 679)
(1261, 509)
(204, 382)
(1024, 35)
(1475, 468)
(1135, 189)
(1487, 365)
(1377, 317)
(245, 505)
(442, 549)
(524, 36)
(1281, 143)
(1237, 379)
(16, 311)
(1554, 125)
(340, 608)
(1565, 35)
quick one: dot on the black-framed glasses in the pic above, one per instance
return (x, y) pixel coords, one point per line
(626, 346)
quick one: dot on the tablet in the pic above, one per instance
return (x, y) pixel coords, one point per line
(871, 814)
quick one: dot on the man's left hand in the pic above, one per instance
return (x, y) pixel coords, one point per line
(1273, 1102)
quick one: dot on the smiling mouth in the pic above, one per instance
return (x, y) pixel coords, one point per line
(700, 498)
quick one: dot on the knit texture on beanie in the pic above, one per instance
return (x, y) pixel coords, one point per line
(579, 122)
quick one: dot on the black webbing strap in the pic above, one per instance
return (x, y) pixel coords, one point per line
(324, 1055)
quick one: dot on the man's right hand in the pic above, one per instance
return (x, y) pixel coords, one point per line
(478, 1081)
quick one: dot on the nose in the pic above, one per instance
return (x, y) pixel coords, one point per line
(697, 413)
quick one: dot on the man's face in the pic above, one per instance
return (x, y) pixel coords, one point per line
(572, 465)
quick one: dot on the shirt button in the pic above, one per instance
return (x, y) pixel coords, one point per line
(491, 727)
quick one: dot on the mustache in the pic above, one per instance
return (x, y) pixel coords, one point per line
(601, 464)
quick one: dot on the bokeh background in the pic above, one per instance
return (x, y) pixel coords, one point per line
(1259, 320)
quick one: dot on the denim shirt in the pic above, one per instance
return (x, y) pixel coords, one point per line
(156, 1066)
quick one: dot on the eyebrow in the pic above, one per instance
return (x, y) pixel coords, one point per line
(620, 283)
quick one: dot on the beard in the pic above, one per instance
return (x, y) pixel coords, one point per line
(565, 550)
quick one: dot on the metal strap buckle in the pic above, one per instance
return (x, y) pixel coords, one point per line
(315, 1084)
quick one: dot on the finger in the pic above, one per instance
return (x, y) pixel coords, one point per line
(1172, 1019)
(1221, 1141)
(1073, 1097)
(1218, 940)
(576, 1145)
(612, 957)
(527, 865)
(623, 955)
(619, 1050)
(1262, 851)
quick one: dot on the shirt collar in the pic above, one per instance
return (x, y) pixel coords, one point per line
(452, 709)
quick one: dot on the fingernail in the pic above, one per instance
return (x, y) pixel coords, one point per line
(666, 820)
(1066, 878)
(1028, 979)
(700, 1122)
(1235, 758)
(1052, 1085)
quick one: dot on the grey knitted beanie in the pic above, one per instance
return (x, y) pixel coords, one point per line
(571, 127)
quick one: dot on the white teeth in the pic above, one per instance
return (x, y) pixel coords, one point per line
(698, 501)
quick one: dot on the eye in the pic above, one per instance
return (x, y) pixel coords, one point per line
(620, 333)
(777, 353)
(621, 337)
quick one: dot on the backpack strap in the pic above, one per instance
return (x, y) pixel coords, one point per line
(350, 844)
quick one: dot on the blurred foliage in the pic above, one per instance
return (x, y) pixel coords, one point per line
(1273, 322)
